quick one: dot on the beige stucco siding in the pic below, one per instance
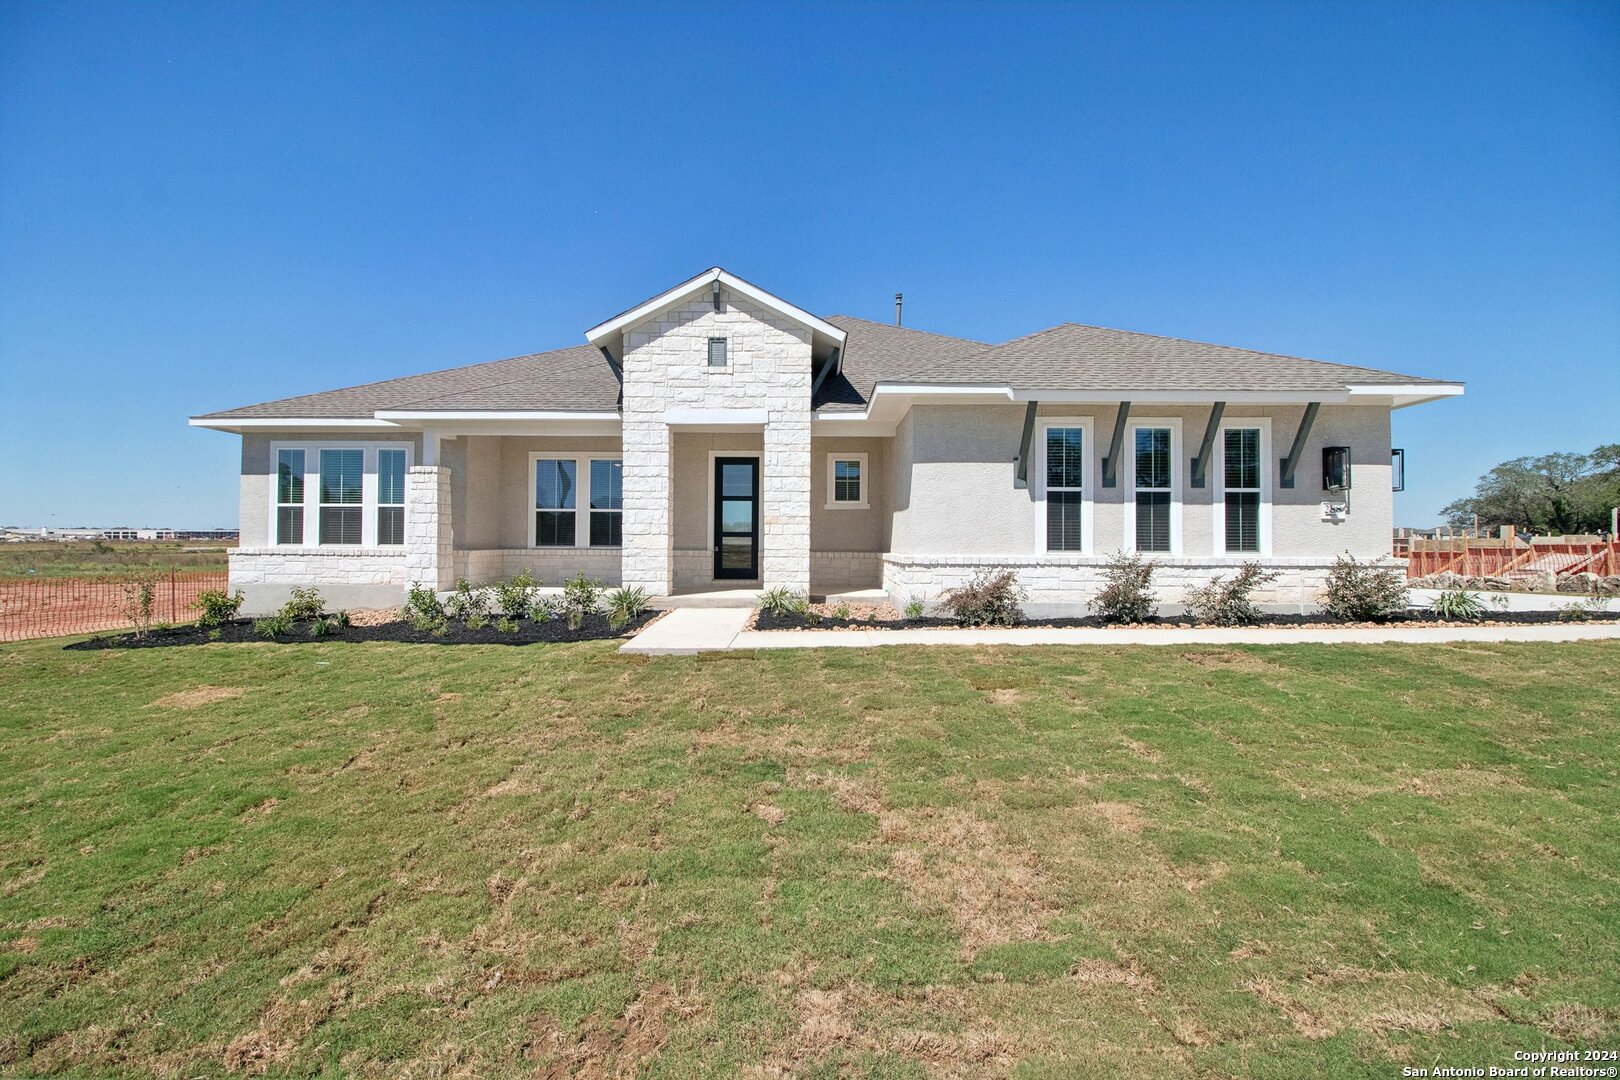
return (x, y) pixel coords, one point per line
(845, 528)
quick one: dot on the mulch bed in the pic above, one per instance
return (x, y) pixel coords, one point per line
(765, 620)
(529, 632)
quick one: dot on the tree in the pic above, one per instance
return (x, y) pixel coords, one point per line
(1554, 493)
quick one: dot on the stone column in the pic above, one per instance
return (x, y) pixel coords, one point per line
(429, 539)
(785, 491)
(648, 553)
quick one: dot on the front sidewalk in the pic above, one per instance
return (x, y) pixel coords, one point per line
(695, 630)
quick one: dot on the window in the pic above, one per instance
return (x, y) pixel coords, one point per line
(846, 482)
(1065, 479)
(1152, 489)
(289, 496)
(1397, 470)
(554, 502)
(390, 497)
(341, 479)
(607, 503)
(717, 352)
(1241, 480)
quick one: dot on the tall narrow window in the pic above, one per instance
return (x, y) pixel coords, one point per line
(554, 482)
(1065, 476)
(607, 503)
(717, 352)
(341, 477)
(1153, 489)
(390, 496)
(289, 496)
(1242, 483)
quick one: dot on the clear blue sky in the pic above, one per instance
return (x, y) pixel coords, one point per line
(208, 205)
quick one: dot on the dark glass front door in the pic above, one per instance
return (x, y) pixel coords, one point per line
(736, 518)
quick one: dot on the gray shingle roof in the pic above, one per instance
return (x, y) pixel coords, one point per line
(1067, 357)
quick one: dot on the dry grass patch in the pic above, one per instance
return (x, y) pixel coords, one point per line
(197, 697)
(1122, 816)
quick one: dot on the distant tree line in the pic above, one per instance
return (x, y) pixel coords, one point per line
(1554, 493)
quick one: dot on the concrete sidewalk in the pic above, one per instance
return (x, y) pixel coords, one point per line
(694, 630)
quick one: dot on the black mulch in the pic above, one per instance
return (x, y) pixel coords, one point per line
(765, 620)
(529, 632)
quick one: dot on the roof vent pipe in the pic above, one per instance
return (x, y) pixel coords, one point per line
(899, 298)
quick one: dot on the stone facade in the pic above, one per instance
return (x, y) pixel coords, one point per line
(666, 367)
(1063, 584)
(835, 571)
(346, 576)
(429, 546)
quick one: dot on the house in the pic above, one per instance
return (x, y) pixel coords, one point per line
(719, 437)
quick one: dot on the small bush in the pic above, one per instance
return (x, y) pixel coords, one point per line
(424, 610)
(1362, 592)
(580, 597)
(842, 611)
(783, 601)
(504, 625)
(514, 597)
(1127, 593)
(303, 605)
(992, 598)
(467, 604)
(1583, 610)
(139, 600)
(273, 626)
(914, 610)
(1457, 604)
(624, 605)
(327, 625)
(1228, 603)
(215, 608)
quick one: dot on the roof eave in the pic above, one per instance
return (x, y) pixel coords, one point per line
(604, 334)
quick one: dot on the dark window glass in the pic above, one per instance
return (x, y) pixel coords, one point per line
(340, 524)
(554, 527)
(1063, 521)
(341, 476)
(1153, 458)
(289, 524)
(607, 528)
(391, 478)
(607, 503)
(290, 476)
(846, 481)
(554, 484)
(390, 525)
(737, 480)
(1064, 464)
(717, 352)
(1243, 521)
(1153, 521)
(1243, 458)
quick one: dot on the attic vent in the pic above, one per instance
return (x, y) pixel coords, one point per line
(717, 352)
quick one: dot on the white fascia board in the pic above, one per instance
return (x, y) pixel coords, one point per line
(1404, 397)
(240, 423)
(1184, 397)
(732, 417)
(603, 333)
(440, 416)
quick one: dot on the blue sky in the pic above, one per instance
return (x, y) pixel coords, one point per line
(207, 205)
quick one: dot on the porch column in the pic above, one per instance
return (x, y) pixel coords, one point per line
(648, 552)
(429, 555)
(785, 491)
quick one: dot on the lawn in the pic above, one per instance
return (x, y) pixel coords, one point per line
(100, 558)
(414, 860)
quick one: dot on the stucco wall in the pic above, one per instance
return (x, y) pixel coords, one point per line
(843, 528)
(951, 481)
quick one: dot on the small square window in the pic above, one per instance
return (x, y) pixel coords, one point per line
(846, 481)
(717, 352)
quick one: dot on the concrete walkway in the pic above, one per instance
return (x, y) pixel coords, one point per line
(694, 630)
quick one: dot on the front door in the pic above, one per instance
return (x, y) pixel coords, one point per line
(736, 518)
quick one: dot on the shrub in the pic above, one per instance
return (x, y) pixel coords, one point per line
(303, 604)
(1459, 604)
(504, 625)
(139, 599)
(273, 626)
(1362, 592)
(783, 601)
(624, 605)
(842, 611)
(215, 608)
(544, 609)
(327, 625)
(1228, 603)
(1584, 610)
(992, 598)
(514, 597)
(914, 609)
(581, 597)
(424, 610)
(1127, 594)
(467, 604)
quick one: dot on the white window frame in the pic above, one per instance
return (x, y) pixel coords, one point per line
(1177, 480)
(312, 491)
(1090, 482)
(582, 498)
(1218, 482)
(276, 505)
(864, 503)
(759, 507)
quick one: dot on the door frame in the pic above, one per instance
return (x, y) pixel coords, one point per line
(717, 458)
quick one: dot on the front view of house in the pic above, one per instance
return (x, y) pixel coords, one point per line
(717, 437)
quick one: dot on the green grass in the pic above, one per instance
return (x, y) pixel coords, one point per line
(100, 558)
(420, 860)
